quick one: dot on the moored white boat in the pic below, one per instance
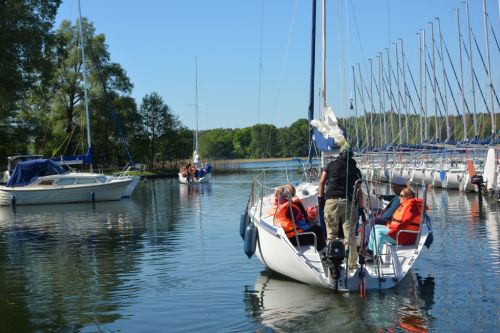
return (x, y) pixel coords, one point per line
(51, 184)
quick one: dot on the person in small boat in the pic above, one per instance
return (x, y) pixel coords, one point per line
(336, 192)
(406, 217)
(294, 218)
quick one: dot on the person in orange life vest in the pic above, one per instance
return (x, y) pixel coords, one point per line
(292, 216)
(406, 217)
(384, 216)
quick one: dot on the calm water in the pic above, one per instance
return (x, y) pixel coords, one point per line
(170, 259)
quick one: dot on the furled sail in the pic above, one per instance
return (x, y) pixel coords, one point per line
(328, 135)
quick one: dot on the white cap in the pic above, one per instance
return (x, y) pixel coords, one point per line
(398, 180)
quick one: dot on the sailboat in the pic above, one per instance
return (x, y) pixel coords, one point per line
(44, 181)
(194, 172)
(266, 238)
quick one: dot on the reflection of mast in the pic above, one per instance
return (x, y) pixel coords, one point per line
(84, 68)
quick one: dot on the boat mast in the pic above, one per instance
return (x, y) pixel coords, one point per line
(323, 53)
(434, 84)
(493, 125)
(405, 92)
(356, 109)
(421, 89)
(440, 53)
(311, 83)
(368, 143)
(426, 125)
(84, 69)
(390, 96)
(400, 135)
(196, 106)
(462, 76)
(372, 113)
(382, 127)
(476, 133)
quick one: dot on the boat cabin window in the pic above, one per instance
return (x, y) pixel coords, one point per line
(46, 182)
(102, 179)
(86, 181)
(66, 181)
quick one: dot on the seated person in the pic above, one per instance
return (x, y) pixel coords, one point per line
(292, 217)
(383, 216)
(397, 185)
(183, 172)
(406, 217)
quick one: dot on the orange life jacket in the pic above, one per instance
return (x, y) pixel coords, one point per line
(284, 219)
(406, 217)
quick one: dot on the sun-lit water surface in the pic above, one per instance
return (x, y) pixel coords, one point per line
(170, 259)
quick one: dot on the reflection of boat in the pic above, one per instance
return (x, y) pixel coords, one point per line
(192, 193)
(44, 182)
(276, 300)
(196, 173)
(284, 305)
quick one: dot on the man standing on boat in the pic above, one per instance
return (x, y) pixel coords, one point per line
(340, 176)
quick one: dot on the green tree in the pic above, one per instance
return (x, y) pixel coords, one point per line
(241, 142)
(216, 143)
(54, 113)
(25, 37)
(263, 142)
(159, 125)
(293, 140)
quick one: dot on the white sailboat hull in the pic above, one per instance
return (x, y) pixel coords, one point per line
(35, 194)
(186, 180)
(304, 263)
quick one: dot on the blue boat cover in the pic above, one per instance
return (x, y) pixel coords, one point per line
(27, 172)
(76, 159)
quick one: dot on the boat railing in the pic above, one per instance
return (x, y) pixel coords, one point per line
(266, 182)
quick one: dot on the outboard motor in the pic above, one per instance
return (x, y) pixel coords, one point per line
(477, 180)
(335, 255)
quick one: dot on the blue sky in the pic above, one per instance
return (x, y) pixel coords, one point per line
(157, 41)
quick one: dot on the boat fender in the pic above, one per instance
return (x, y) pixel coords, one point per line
(92, 196)
(442, 176)
(244, 221)
(13, 200)
(250, 242)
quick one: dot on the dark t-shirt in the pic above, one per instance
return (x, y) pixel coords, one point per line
(342, 173)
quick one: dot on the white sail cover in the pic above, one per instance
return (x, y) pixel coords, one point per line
(329, 127)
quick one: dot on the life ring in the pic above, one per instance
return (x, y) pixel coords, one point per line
(192, 169)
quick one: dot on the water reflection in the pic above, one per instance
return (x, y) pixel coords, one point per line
(61, 263)
(287, 306)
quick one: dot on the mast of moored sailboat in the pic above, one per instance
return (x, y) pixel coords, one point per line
(84, 69)
(311, 83)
